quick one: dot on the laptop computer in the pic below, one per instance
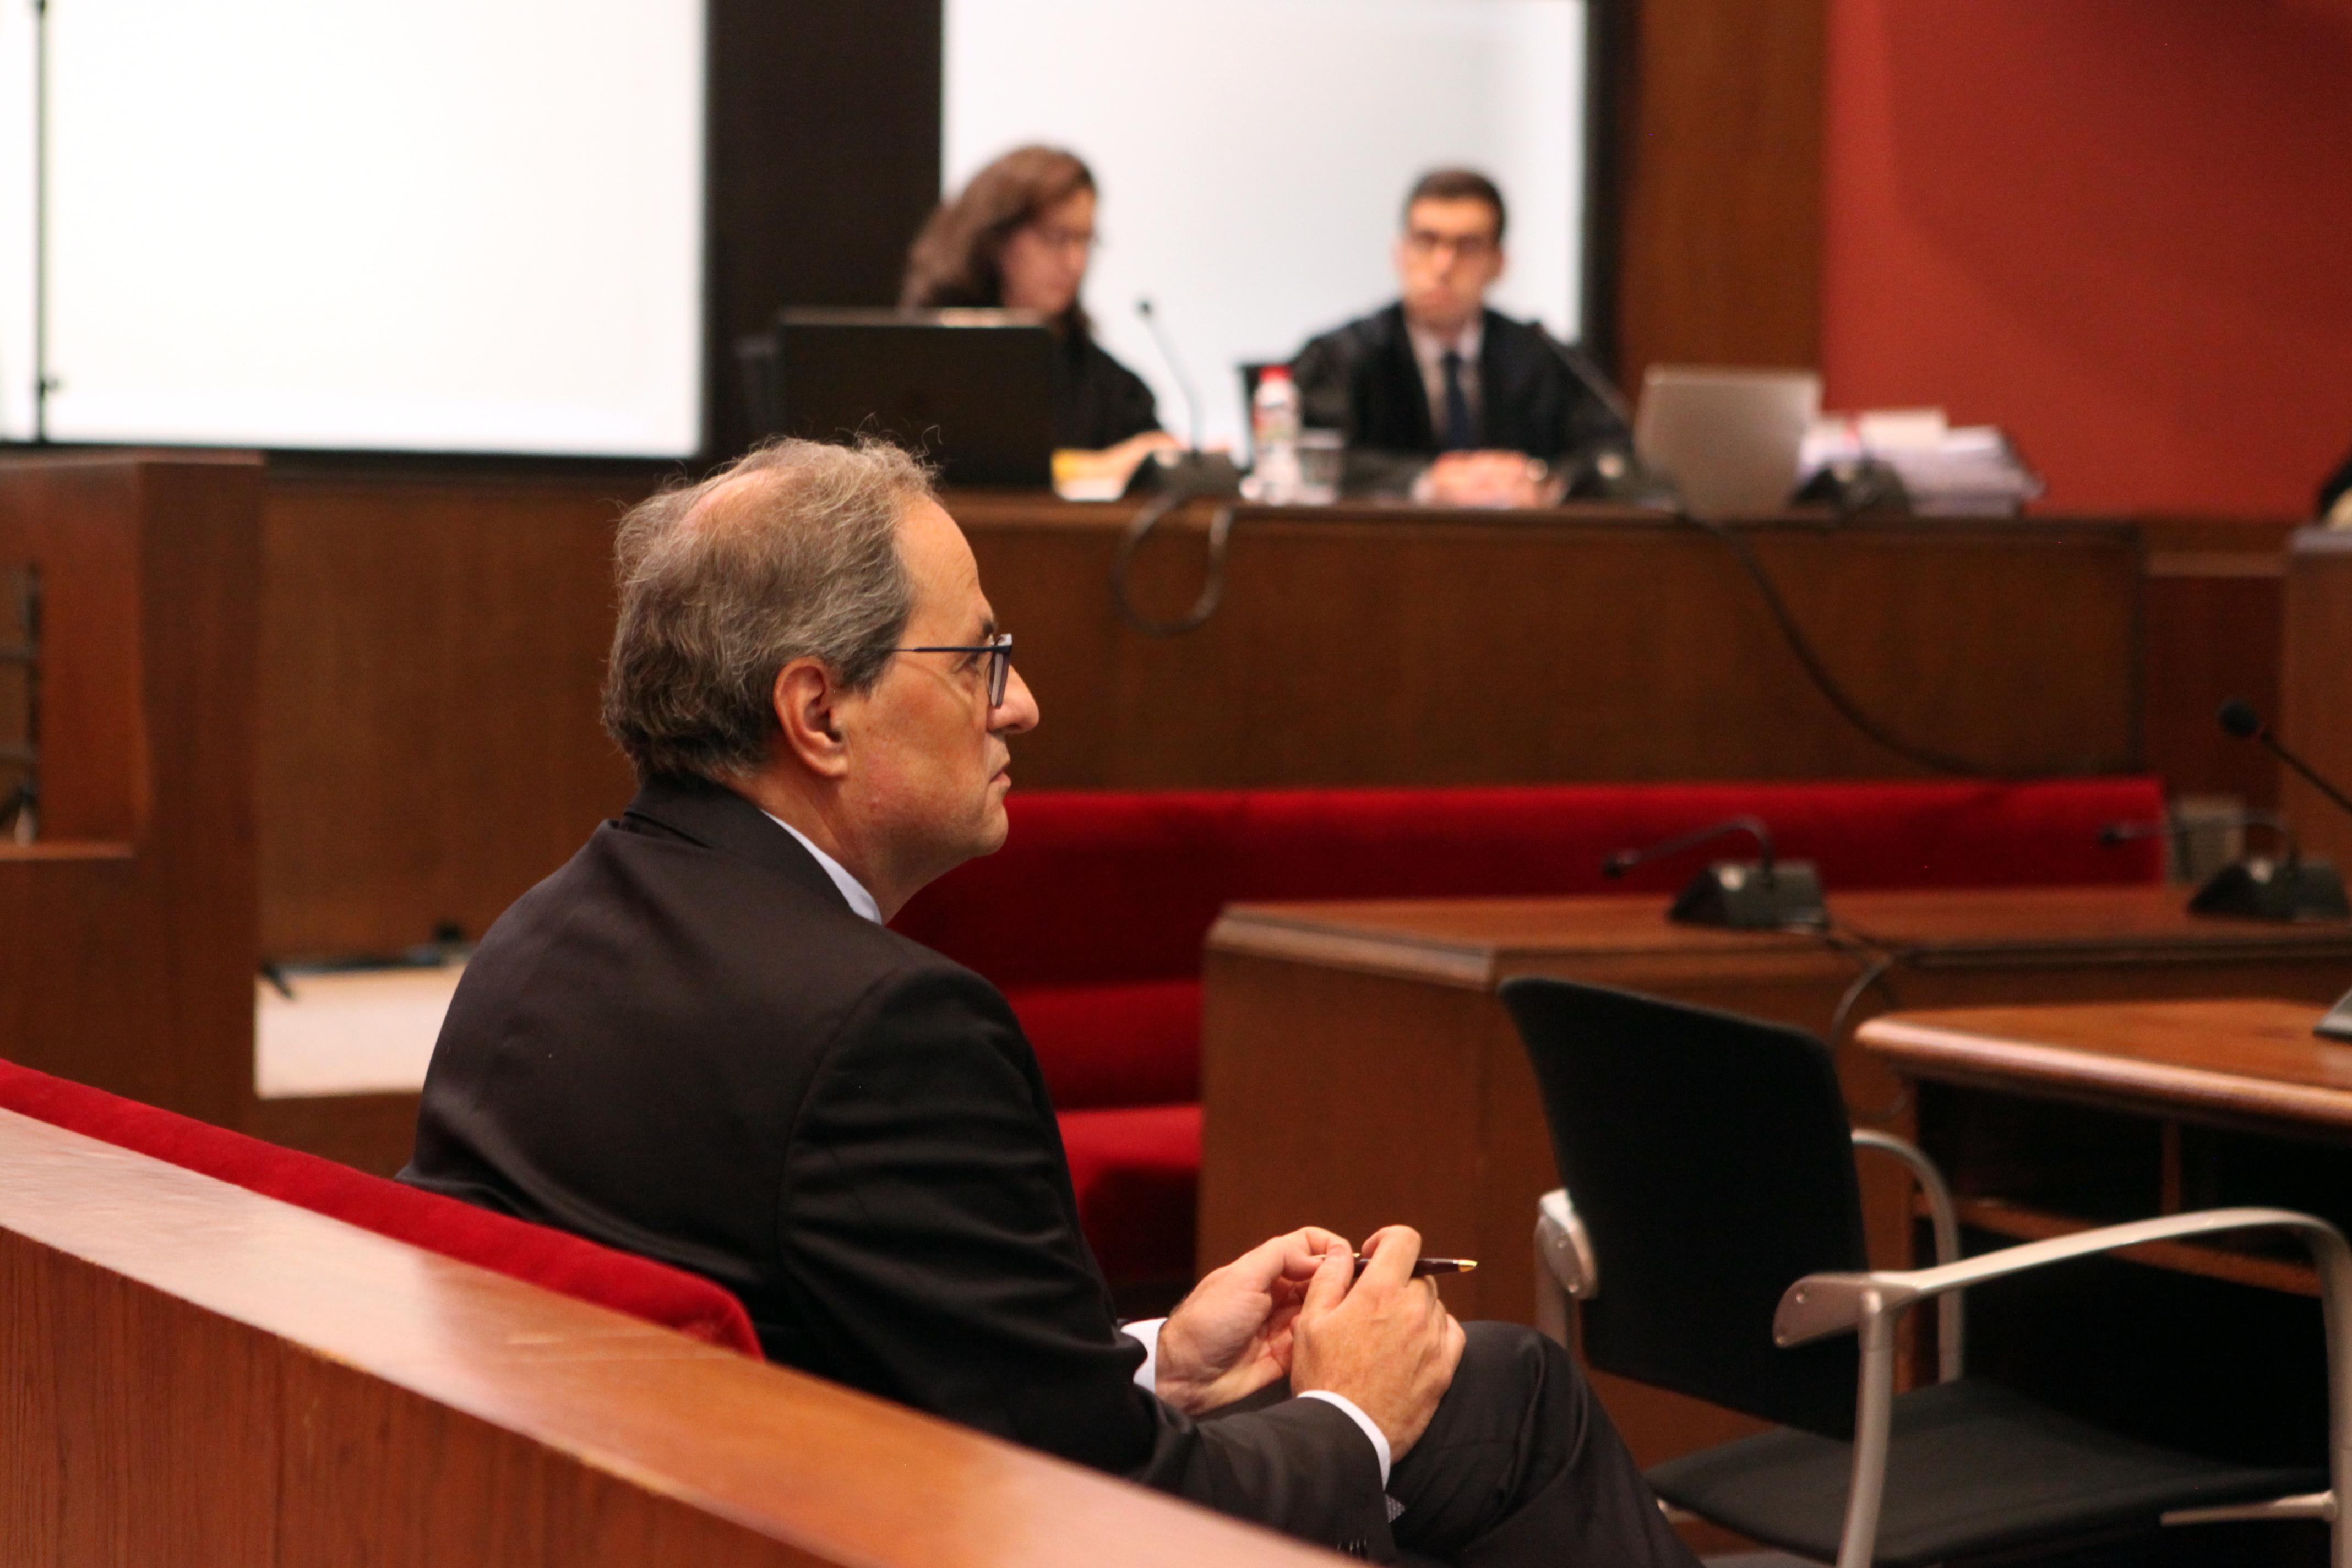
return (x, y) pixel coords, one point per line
(1728, 439)
(972, 390)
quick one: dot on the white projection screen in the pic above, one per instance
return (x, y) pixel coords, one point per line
(1252, 154)
(416, 224)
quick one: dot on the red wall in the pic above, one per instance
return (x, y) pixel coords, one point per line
(2120, 229)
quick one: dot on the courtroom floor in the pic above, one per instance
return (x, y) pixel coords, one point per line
(356, 1032)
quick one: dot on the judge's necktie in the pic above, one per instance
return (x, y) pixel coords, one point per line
(1459, 437)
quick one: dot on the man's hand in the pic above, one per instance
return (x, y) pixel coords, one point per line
(1484, 478)
(1388, 1344)
(1231, 1336)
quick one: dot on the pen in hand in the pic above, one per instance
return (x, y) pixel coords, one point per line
(1422, 1268)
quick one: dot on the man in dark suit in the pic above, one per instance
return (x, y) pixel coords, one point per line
(1443, 399)
(699, 1042)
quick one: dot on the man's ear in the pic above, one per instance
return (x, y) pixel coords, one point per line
(807, 701)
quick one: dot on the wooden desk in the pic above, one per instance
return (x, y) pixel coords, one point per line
(1357, 1069)
(1362, 645)
(2051, 1119)
(200, 1374)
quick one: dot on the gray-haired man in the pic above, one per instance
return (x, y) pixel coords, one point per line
(699, 1042)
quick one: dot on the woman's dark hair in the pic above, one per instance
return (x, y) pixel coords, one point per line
(953, 261)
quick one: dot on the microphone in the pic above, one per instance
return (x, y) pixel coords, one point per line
(2255, 887)
(1618, 474)
(1175, 367)
(1592, 380)
(1624, 860)
(2115, 833)
(1178, 476)
(2238, 717)
(1762, 894)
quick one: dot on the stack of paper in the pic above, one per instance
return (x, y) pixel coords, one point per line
(1967, 470)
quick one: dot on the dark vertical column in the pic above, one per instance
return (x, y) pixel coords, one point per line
(824, 157)
(1718, 172)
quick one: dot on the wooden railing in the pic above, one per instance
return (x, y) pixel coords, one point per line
(198, 1374)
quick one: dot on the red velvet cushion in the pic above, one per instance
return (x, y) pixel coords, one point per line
(1131, 1043)
(570, 1265)
(1096, 888)
(1136, 1170)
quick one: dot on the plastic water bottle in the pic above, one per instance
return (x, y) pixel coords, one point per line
(1274, 436)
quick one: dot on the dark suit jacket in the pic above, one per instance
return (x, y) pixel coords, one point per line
(1097, 402)
(685, 1043)
(1361, 380)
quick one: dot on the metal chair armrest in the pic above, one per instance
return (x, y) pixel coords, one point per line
(1821, 1305)
(1563, 1247)
(1944, 1220)
(1565, 1267)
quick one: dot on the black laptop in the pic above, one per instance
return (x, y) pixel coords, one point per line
(971, 390)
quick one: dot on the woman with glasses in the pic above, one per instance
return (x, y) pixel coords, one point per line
(1019, 237)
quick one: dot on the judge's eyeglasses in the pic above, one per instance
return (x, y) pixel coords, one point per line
(999, 649)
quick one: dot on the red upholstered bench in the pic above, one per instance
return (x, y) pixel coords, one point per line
(654, 1292)
(1091, 917)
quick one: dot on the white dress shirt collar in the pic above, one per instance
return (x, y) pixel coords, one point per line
(851, 888)
(1429, 347)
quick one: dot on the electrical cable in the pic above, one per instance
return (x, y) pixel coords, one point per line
(1874, 965)
(1829, 687)
(1213, 582)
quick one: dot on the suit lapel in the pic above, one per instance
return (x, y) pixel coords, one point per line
(1503, 374)
(1401, 372)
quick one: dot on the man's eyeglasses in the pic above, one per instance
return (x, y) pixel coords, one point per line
(1426, 242)
(999, 649)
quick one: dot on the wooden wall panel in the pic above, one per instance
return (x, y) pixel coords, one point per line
(1719, 163)
(432, 651)
(2215, 610)
(127, 934)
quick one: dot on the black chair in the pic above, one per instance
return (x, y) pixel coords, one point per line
(1710, 1229)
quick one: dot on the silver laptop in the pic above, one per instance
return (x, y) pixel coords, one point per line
(1728, 438)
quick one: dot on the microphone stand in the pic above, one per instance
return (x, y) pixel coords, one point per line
(2238, 718)
(1619, 474)
(2256, 887)
(1178, 476)
(1762, 894)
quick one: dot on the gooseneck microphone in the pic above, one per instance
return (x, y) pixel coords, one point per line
(1624, 860)
(1762, 894)
(1178, 476)
(2238, 718)
(1572, 360)
(2115, 833)
(2255, 887)
(1175, 368)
